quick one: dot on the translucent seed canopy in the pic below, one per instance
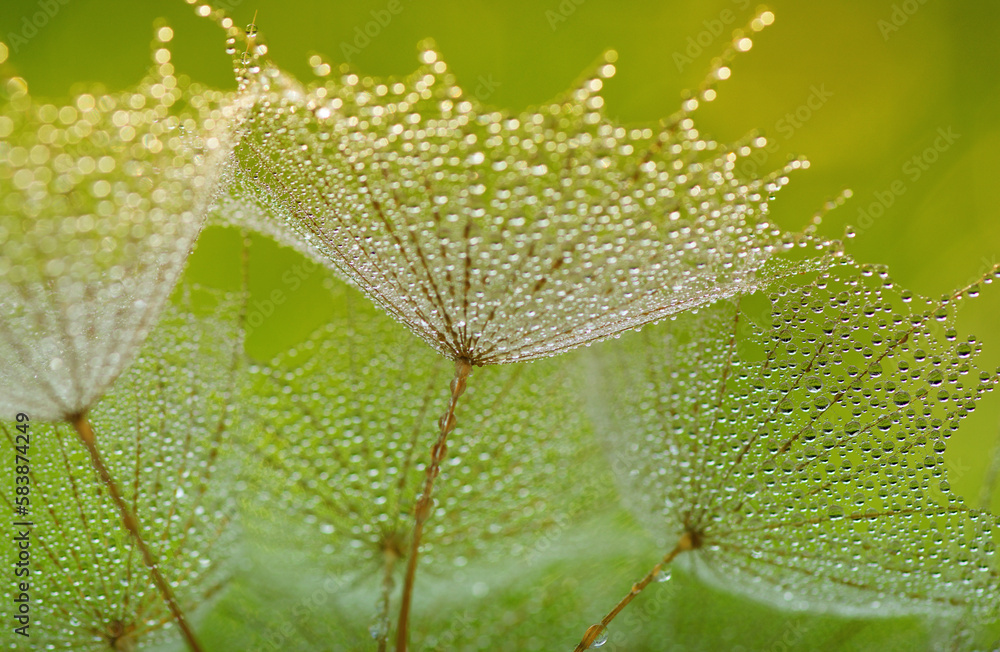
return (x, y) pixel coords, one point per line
(806, 456)
(161, 429)
(100, 202)
(499, 237)
(342, 440)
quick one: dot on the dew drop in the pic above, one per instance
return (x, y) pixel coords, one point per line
(493, 173)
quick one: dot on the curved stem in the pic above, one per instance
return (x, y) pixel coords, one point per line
(686, 543)
(424, 504)
(131, 523)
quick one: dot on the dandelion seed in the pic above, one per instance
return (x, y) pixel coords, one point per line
(100, 203)
(162, 424)
(807, 460)
(499, 238)
(348, 463)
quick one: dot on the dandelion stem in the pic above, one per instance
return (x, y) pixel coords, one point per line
(131, 523)
(425, 503)
(391, 557)
(686, 543)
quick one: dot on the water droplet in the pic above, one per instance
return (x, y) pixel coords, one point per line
(601, 639)
(855, 466)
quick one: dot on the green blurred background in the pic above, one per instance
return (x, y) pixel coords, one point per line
(860, 87)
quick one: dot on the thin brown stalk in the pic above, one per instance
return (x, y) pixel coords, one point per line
(686, 543)
(424, 504)
(391, 557)
(131, 523)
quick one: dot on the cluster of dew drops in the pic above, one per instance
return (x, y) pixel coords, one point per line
(498, 238)
(463, 149)
(102, 199)
(842, 418)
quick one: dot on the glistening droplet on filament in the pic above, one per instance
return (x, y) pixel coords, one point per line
(499, 238)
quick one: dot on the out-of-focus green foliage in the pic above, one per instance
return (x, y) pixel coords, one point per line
(895, 100)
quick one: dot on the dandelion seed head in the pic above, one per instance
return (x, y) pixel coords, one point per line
(161, 428)
(803, 442)
(498, 237)
(340, 447)
(100, 202)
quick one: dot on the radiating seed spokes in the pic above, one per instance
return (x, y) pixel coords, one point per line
(813, 468)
